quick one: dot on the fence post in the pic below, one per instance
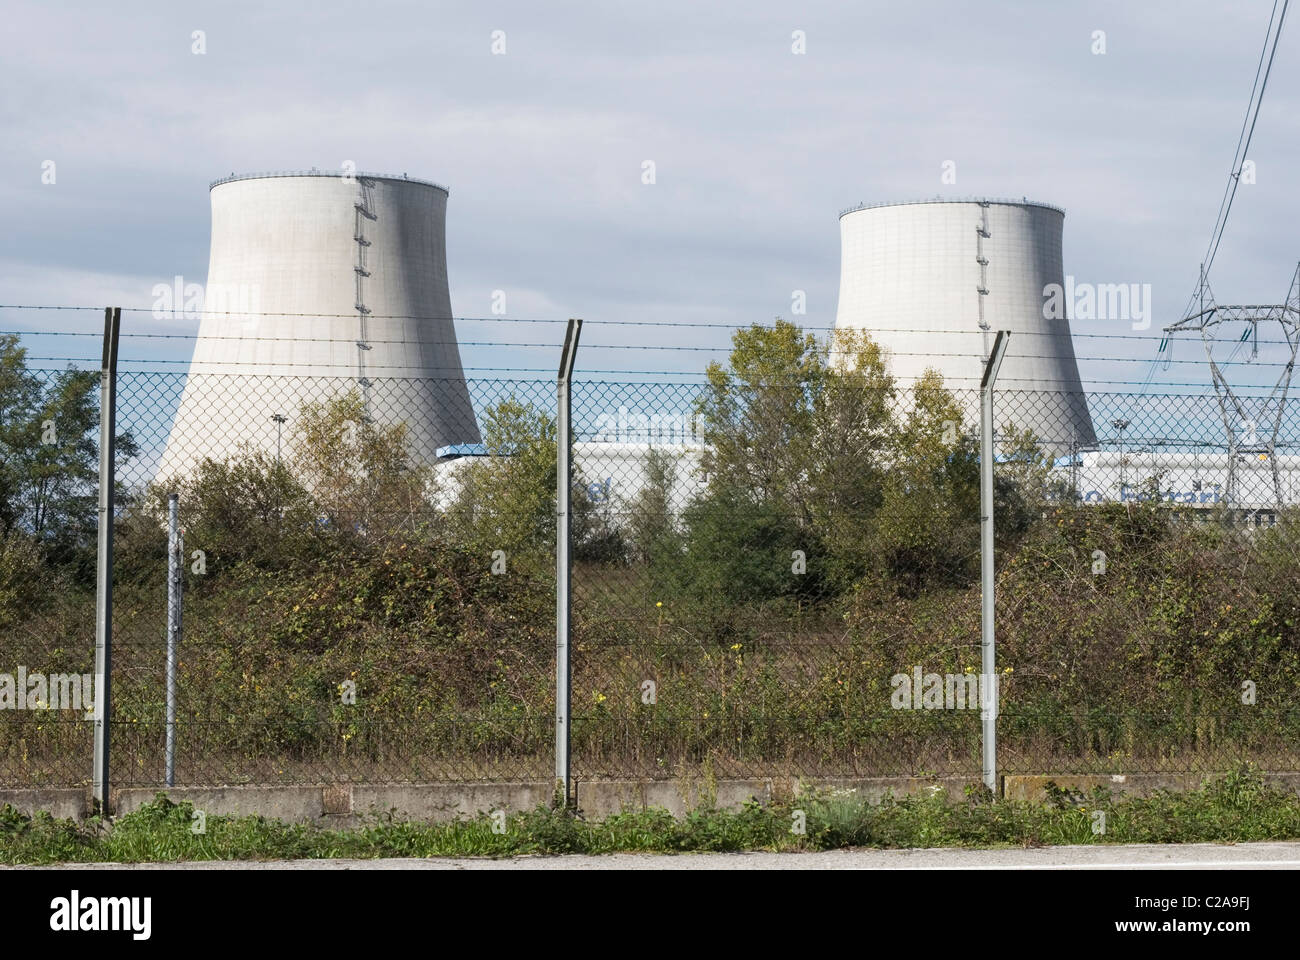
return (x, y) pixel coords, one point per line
(104, 558)
(563, 518)
(988, 660)
(174, 586)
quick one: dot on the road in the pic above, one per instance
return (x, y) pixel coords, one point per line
(1250, 856)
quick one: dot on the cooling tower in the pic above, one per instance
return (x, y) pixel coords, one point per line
(322, 285)
(931, 281)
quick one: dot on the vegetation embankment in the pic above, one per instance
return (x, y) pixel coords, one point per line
(1240, 807)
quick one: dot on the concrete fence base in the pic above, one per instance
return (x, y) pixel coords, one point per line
(346, 804)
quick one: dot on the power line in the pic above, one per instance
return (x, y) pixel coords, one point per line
(1239, 156)
(1234, 177)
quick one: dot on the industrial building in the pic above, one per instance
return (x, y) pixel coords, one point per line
(610, 471)
(1194, 479)
(321, 284)
(933, 280)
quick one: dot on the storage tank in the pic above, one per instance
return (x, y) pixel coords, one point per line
(321, 284)
(933, 280)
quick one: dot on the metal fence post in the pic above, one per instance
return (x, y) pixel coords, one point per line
(988, 660)
(104, 558)
(563, 597)
(174, 586)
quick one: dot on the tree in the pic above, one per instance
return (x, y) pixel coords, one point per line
(49, 457)
(652, 523)
(757, 416)
(1023, 481)
(854, 438)
(20, 433)
(506, 499)
(801, 432)
(927, 527)
(359, 471)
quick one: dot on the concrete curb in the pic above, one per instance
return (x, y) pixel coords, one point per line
(345, 804)
(65, 803)
(1033, 789)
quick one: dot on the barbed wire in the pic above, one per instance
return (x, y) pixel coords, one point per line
(703, 325)
(615, 346)
(349, 372)
(603, 346)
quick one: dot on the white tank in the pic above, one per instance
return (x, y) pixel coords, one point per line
(320, 284)
(926, 279)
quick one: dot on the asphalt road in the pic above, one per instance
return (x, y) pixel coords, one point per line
(1247, 856)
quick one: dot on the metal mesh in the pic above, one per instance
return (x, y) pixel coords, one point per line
(754, 571)
(785, 575)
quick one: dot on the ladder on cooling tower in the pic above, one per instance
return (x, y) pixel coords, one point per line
(982, 234)
(363, 212)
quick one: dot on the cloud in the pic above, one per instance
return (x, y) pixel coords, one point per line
(756, 149)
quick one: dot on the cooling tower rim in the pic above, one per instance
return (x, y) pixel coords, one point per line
(402, 178)
(999, 201)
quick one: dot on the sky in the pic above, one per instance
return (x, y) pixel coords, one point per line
(757, 150)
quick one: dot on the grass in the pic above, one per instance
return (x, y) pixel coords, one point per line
(1239, 807)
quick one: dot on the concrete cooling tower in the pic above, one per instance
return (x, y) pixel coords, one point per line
(932, 281)
(321, 285)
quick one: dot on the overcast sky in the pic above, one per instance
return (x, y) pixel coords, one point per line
(757, 149)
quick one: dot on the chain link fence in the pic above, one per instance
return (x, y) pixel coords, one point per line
(769, 580)
(799, 595)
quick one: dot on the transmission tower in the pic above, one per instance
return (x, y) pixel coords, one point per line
(1209, 319)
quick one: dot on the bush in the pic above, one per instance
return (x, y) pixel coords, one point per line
(737, 550)
(249, 509)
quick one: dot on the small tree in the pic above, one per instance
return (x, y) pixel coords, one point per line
(652, 521)
(801, 432)
(740, 550)
(854, 431)
(358, 470)
(23, 581)
(1023, 481)
(927, 527)
(757, 416)
(506, 500)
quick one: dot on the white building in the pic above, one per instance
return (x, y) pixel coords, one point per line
(1197, 479)
(612, 473)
